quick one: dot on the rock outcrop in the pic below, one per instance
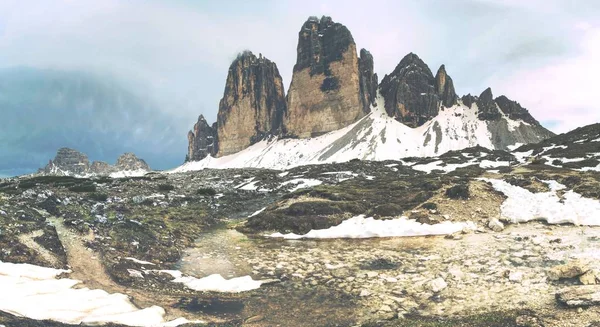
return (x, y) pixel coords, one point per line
(128, 161)
(70, 162)
(102, 168)
(325, 92)
(514, 111)
(202, 140)
(488, 110)
(413, 95)
(253, 103)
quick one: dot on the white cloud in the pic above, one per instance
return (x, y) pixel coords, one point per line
(564, 91)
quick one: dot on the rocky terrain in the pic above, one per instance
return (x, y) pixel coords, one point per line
(466, 258)
(70, 162)
(335, 89)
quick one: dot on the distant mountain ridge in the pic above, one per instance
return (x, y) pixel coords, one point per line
(46, 109)
(70, 162)
(336, 105)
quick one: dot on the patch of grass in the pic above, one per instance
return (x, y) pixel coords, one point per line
(165, 187)
(83, 188)
(206, 191)
(98, 196)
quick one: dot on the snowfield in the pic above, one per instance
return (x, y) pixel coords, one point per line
(375, 137)
(362, 227)
(34, 292)
(523, 205)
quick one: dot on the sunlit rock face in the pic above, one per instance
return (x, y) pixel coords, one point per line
(252, 106)
(325, 92)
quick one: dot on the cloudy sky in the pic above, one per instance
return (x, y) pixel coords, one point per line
(541, 53)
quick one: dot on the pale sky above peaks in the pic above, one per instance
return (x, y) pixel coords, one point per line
(541, 53)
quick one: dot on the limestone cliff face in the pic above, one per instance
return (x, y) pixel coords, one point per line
(325, 92)
(252, 106)
(413, 95)
(202, 140)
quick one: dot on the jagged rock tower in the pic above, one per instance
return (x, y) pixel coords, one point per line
(331, 87)
(413, 95)
(251, 109)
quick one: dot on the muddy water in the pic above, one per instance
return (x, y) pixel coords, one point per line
(227, 252)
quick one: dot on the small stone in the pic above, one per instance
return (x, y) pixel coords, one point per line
(437, 285)
(385, 308)
(372, 274)
(515, 276)
(589, 278)
(364, 293)
(254, 319)
(496, 225)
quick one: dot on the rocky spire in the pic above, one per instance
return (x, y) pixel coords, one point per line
(325, 92)
(368, 79)
(487, 106)
(252, 106)
(202, 141)
(445, 87)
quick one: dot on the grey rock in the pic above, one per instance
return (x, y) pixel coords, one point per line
(368, 79)
(68, 162)
(488, 110)
(578, 296)
(128, 161)
(202, 140)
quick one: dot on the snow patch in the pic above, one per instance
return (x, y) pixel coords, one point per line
(523, 205)
(302, 183)
(128, 173)
(214, 283)
(34, 292)
(361, 227)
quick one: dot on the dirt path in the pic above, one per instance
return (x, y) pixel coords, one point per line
(28, 240)
(87, 267)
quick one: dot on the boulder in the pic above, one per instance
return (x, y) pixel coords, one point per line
(590, 278)
(496, 225)
(569, 270)
(579, 296)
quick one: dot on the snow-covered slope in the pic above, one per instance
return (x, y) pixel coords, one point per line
(375, 137)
